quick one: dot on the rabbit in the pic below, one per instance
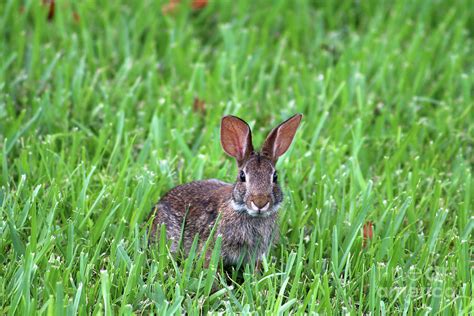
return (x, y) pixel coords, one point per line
(248, 208)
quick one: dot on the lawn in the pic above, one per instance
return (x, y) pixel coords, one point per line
(106, 106)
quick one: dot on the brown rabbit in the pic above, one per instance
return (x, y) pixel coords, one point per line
(248, 208)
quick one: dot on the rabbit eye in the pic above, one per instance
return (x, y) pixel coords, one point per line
(275, 177)
(242, 176)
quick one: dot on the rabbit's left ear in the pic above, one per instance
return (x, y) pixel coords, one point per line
(280, 138)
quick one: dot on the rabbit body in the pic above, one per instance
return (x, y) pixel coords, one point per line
(244, 213)
(198, 205)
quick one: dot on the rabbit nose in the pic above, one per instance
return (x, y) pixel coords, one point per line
(260, 202)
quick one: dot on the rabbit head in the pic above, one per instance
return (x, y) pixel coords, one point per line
(256, 191)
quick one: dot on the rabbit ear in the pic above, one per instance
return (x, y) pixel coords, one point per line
(236, 138)
(280, 138)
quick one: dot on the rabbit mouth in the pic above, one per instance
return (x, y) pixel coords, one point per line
(256, 208)
(254, 211)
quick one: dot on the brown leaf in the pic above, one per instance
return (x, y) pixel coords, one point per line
(51, 8)
(170, 7)
(367, 232)
(76, 17)
(199, 4)
(199, 106)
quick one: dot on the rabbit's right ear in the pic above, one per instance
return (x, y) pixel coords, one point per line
(236, 138)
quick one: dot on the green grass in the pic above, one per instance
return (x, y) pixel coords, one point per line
(97, 122)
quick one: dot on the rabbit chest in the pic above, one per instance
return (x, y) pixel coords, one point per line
(245, 238)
